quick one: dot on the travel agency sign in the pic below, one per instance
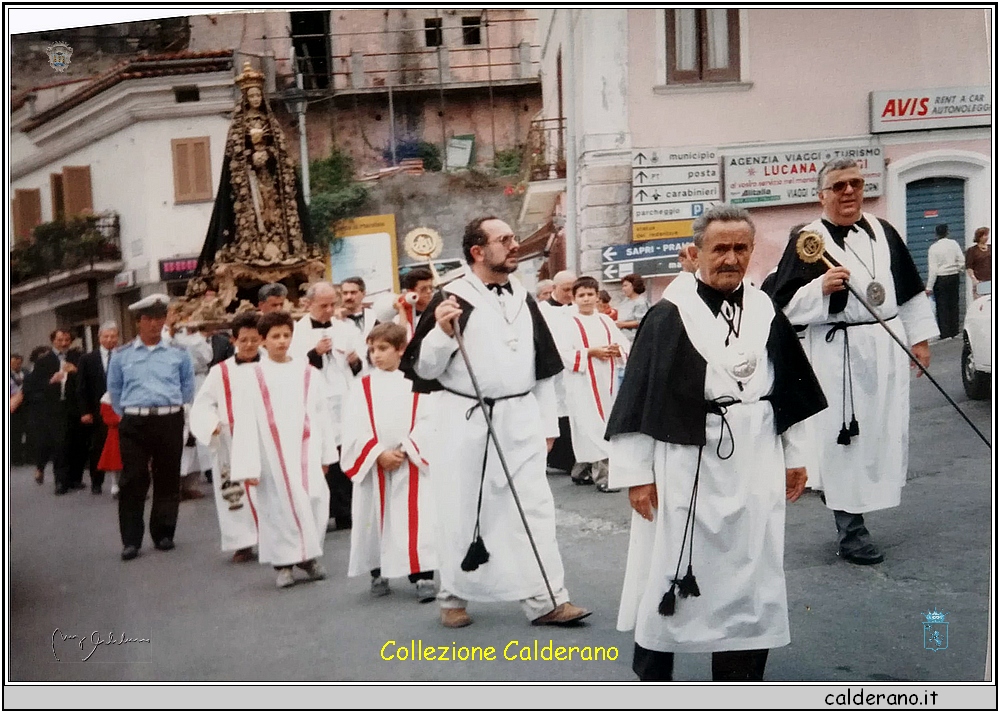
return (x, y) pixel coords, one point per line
(785, 174)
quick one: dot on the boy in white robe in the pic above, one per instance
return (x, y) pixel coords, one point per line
(212, 418)
(284, 441)
(593, 352)
(391, 508)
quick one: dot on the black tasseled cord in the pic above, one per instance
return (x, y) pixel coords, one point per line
(686, 586)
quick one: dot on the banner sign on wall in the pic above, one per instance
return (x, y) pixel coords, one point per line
(786, 174)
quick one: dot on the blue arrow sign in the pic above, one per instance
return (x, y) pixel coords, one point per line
(646, 250)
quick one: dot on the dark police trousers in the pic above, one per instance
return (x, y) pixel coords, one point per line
(150, 447)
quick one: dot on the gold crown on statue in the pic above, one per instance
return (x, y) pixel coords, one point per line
(249, 78)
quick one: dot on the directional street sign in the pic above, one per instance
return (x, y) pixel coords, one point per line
(674, 184)
(672, 211)
(657, 267)
(649, 258)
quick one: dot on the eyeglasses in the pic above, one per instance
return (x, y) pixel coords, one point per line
(841, 186)
(506, 240)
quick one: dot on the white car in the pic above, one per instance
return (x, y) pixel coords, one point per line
(977, 362)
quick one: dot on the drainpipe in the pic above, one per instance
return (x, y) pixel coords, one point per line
(569, 67)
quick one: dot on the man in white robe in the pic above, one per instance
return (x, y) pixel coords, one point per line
(593, 352)
(513, 358)
(360, 318)
(863, 438)
(335, 348)
(556, 309)
(703, 434)
(283, 441)
(195, 458)
(212, 418)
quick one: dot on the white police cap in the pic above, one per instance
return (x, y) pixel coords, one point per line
(156, 302)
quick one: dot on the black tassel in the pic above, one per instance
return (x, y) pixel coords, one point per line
(688, 585)
(853, 429)
(668, 603)
(476, 556)
(844, 438)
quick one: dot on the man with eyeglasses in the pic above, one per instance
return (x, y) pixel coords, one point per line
(513, 358)
(862, 439)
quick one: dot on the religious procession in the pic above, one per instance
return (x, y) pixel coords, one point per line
(680, 426)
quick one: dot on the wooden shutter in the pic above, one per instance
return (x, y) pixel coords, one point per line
(27, 210)
(77, 197)
(58, 196)
(192, 169)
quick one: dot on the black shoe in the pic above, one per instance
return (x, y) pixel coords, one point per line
(166, 544)
(869, 554)
(130, 553)
(61, 490)
(77, 486)
(585, 480)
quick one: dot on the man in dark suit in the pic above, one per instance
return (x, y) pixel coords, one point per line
(53, 388)
(91, 385)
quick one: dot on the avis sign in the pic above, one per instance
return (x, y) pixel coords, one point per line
(918, 109)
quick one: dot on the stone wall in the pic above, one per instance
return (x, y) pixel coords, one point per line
(444, 202)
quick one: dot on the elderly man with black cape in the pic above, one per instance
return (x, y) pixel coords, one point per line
(704, 434)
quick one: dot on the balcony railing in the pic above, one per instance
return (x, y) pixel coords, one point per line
(545, 158)
(62, 245)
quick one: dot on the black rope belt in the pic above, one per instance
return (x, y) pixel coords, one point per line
(687, 586)
(477, 554)
(847, 432)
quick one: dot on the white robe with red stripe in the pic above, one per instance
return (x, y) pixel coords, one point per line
(235, 503)
(283, 436)
(392, 511)
(591, 383)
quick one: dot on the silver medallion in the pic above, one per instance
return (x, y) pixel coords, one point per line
(745, 366)
(875, 293)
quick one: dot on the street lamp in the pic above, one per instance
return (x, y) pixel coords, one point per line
(296, 102)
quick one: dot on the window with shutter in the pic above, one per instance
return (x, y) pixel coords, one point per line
(27, 210)
(703, 45)
(192, 169)
(77, 197)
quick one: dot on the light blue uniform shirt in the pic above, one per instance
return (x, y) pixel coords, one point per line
(141, 376)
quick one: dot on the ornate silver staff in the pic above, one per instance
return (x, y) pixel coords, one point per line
(810, 249)
(426, 244)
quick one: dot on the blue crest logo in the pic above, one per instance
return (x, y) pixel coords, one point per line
(59, 55)
(935, 630)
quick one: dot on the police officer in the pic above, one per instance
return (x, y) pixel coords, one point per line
(149, 383)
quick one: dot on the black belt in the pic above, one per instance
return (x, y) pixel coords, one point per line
(477, 553)
(489, 401)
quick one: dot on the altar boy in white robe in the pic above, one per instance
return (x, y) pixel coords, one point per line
(704, 434)
(212, 418)
(284, 441)
(483, 551)
(593, 350)
(392, 508)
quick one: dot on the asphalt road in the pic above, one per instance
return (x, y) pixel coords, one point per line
(209, 620)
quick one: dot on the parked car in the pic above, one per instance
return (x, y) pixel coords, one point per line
(977, 361)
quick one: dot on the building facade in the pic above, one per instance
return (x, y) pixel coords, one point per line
(137, 152)
(745, 105)
(380, 82)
